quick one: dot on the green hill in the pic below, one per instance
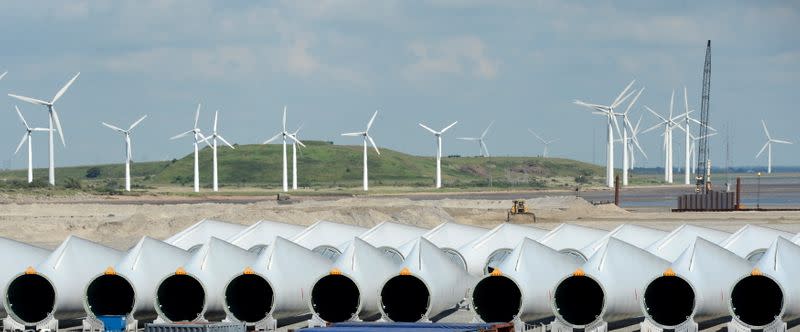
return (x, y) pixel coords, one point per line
(321, 164)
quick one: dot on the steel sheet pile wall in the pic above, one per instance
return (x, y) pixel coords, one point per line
(572, 276)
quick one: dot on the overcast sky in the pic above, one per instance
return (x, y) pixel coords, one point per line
(519, 63)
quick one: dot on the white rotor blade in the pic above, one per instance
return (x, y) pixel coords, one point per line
(636, 142)
(373, 144)
(619, 98)
(295, 140)
(686, 100)
(273, 138)
(64, 89)
(197, 116)
(616, 124)
(284, 118)
(113, 127)
(40, 129)
(537, 135)
(181, 134)
(448, 127)
(298, 129)
(204, 139)
(54, 114)
(634, 101)
(671, 101)
(22, 118)
(354, 134)
(487, 129)
(24, 138)
(762, 149)
(652, 128)
(216, 114)
(136, 123)
(371, 120)
(656, 114)
(485, 149)
(4, 75)
(781, 141)
(765, 129)
(225, 141)
(30, 100)
(429, 129)
(469, 138)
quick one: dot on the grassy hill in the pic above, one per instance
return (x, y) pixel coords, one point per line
(325, 165)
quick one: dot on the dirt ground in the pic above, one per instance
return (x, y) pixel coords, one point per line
(120, 224)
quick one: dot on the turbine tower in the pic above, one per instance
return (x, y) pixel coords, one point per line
(768, 146)
(51, 110)
(198, 136)
(127, 135)
(669, 124)
(294, 157)
(284, 134)
(482, 149)
(213, 137)
(366, 136)
(611, 120)
(27, 137)
(438, 135)
(544, 141)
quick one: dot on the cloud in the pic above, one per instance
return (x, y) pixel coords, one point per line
(453, 56)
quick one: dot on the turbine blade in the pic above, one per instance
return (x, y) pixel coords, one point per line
(22, 118)
(4, 75)
(656, 114)
(487, 129)
(616, 125)
(64, 89)
(686, 101)
(765, 129)
(634, 100)
(273, 138)
(113, 127)
(30, 100)
(619, 98)
(298, 129)
(537, 135)
(296, 140)
(284, 118)
(24, 138)
(468, 138)
(204, 139)
(181, 134)
(485, 148)
(651, 128)
(448, 127)
(137, 123)
(762, 149)
(225, 141)
(197, 116)
(216, 114)
(781, 141)
(429, 129)
(371, 120)
(375, 146)
(354, 134)
(636, 142)
(54, 114)
(671, 101)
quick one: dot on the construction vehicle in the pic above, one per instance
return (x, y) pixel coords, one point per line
(519, 213)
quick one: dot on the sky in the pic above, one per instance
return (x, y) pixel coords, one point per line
(520, 64)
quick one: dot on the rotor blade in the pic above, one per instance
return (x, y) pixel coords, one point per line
(589, 105)
(619, 98)
(373, 144)
(113, 127)
(273, 138)
(671, 101)
(225, 141)
(616, 125)
(216, 114)
(197, 116)
(656, 114)
(487, 129)
(30, 100)
(4, 75)
(485, 149)
(448, 127)
(298, 129)
(468, 138)
(354, 134)
(636, 129)
(765, 129)
(429, 129)
(284, 118)
(652, 128)
(22, 118)
(686, 100)
(537, 135)
(781, 141)
(203, 139)
(64, 89)
(636, 143)
(24, 138)
(762, 149)
(634, 101)
(371, 120)
(54, 114)
(296, 140)
(137, 122)
(181, 135)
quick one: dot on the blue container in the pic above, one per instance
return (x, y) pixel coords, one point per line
(113, 323)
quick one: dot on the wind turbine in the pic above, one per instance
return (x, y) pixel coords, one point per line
(366, 136)
(294, 157)
(53, 119)
(198, 136)
(213, 137)
(626, 124)
(544, 141)
(482, 149)
(633, 141)
(768, 146)
(284, 134)
(669, 123)
(127, 135)
(27, 137)
(438, 135)
(608, 111)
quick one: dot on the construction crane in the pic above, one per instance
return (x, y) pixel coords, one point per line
(703, 169)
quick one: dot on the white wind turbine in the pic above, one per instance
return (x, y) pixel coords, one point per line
(438, 135)
(198, 136)
(544, 141)
(669, 124)
(688, 130)
(213, 137)
(482, 149)
(768, 146)
(693, 144)
(53, 119)
(284, 134)
(366, 136)
(608, 111)
(294, 157)
(127, 135)
(626, 125)
(27, 137)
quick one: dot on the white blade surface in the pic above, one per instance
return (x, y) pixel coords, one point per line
(22, 118)
(764, 124)
(113, 127)
(634, 101)
(468, 138)
(273, 138)
(181, 134)
(24, 138)
(54, 114)
(485, 131)
(371, 120)
(225, 141)
(204, 139)
(781, 141)
(537, 135)
(64, 89)
(137, 122)
(197, 116)
(354, 134)
(4, 75)
(284, 118)
(29, 100)
(485, 149)
(427, 128)
(448, 127)
(619, 98)
(373, 144)
(762, 149)
(216, 114)
(295, 140)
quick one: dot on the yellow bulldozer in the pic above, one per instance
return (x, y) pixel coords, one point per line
(519, 213)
